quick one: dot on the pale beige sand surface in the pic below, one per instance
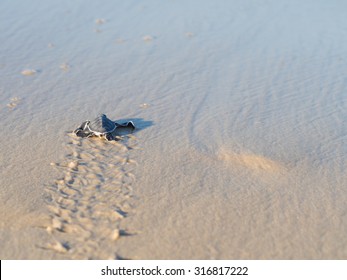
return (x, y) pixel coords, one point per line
(240, 149)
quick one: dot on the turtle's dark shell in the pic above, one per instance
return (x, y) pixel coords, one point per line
(101, 126)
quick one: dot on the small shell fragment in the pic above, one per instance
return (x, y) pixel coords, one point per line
(147, 38)
(14, 102)
(29, 72)
(64, 66)
(120, 41)
(144, 105)
(100, 21)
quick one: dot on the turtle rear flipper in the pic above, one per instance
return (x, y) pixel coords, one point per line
(109, 137)
(83, 126)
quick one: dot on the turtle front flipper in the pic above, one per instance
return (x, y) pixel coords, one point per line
(126, 124)
(130, 125)
(82, 133)
(82, 130)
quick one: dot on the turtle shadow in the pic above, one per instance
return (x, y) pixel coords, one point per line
(140, 123)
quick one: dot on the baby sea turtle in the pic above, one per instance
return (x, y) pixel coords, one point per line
(102, 126)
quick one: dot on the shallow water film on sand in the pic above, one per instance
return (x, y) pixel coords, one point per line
(239, 151)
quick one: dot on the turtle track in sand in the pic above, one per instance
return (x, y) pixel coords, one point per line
(91, 198)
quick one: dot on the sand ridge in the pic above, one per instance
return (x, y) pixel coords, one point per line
(251, 161)
(91, 198)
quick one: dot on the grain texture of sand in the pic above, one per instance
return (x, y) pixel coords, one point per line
(239, 151)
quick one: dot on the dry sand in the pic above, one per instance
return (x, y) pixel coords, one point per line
(240, 149)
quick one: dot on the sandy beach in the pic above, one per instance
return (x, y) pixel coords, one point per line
(239, 150)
